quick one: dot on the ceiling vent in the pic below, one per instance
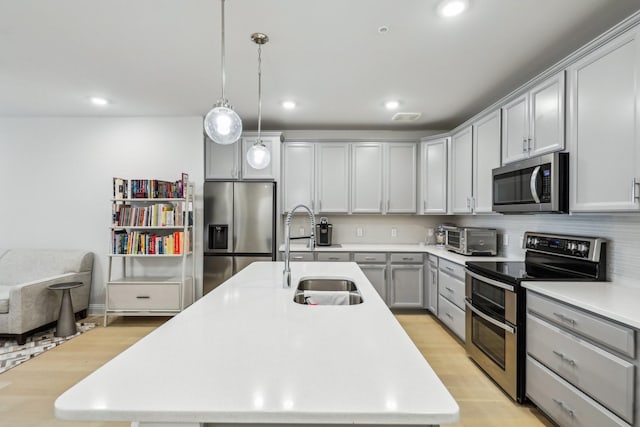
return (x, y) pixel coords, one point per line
(406, 117)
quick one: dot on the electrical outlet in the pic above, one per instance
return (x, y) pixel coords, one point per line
(359, 232)
(301, 231)
(394, 232)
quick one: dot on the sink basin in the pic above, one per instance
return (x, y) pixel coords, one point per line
(338, 292)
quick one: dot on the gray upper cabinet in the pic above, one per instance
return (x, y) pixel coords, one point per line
(603, 127)
(332, 177)
(401, 177)
(366, 177)
(229, 162)
(461, 171)
(433, 176)
(533, 123)
(298, 175)
(486, 156)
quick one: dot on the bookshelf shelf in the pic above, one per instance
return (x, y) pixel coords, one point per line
(145, 228)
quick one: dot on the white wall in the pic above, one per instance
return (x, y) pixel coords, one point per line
(57, 175)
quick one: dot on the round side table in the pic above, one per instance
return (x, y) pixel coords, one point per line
(66, 325)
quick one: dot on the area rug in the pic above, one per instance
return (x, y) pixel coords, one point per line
(12, 354)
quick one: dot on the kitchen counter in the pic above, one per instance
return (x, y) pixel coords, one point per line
(430, 249)
(246, 353)
(615, 301)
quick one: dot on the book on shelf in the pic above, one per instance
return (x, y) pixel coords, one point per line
(150, 188)
(147, 243)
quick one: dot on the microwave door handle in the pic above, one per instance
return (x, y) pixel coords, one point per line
(508, 328)
(533, 186)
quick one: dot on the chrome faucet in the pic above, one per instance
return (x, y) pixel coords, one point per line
(286, 274)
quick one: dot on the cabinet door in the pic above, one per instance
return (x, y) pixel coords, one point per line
(461, 171)
(221, 161)
(298, 175)
(433, 170)
(271, 172)
(432, 280)
(366, 177)
(486, 156)
(400, 177)
(377, 275)
(332, 169)
(546, 116)
(515, 130)
(602, 129)
(406, 286)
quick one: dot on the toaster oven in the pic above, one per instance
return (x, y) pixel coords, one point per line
(471, 241)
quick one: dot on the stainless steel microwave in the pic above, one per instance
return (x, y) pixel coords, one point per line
(538, 184)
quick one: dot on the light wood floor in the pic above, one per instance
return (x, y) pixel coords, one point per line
(28, 391)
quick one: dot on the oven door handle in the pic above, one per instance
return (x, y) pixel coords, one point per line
(490, 319)
(491, 282)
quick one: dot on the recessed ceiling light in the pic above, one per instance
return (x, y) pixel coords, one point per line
(97, 100)
(288, 105)
(383, 29)
(391, 105)
(451, 8)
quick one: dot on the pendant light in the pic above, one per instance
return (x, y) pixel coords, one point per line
(258, 155)
(222, 124)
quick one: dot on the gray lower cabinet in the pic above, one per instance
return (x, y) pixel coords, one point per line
(374, 266)
(451, 307)
(406, 284)
(431, 284)
(333, 256)
(581, 368)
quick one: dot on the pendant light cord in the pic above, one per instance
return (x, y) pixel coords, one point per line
(223, 52)
(259, 92)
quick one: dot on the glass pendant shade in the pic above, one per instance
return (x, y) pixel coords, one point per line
(258, 156)
(223, 125)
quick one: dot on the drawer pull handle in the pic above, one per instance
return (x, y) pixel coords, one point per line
(333, 258)
(449, 268)
(370, 258)
(449, 316)
(449, 289)
(298, 257)
(143, 297)
(562, 406)
(564, 358)
(565, 318)
(407, 259)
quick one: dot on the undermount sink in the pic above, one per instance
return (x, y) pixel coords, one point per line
(327, 291)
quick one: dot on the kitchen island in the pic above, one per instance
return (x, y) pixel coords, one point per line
(247, 354)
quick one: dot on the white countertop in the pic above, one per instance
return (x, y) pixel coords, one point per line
(246, 353)
(380, 247)
(608, 299)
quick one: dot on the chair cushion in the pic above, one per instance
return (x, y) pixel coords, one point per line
(4, 299)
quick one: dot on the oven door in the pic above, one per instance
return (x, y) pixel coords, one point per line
(491, 331)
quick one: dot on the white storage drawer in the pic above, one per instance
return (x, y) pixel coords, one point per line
(451, 316)
(452, 288)
(333, 256)
(603, 331)
(301, 256)
(451, 268)
(433, 260)
(601, 375)
(564, 403)
(144, 296)
(377, 257)
(410, 257)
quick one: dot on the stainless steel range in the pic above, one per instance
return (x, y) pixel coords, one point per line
(495, 315)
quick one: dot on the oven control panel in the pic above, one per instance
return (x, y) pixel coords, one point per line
(572, 246)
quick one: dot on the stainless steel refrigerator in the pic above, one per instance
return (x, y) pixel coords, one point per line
(240, 228)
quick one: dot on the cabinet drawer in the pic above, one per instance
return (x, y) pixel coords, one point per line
(143, 297)
(451, 316)
(452, 269)
(301, 256)
(333, 256)
(413, 258)
(452, 288)
(433, 260)
(563, 402)
(379, 257)
(598, 373)
(603, 331)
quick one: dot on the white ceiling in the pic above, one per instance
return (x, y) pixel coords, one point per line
(162, 57)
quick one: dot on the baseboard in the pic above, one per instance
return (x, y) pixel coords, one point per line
(95, 310)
